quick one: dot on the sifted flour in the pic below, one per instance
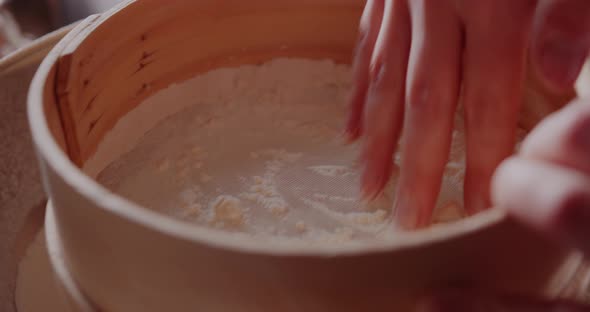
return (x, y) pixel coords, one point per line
(258, 152)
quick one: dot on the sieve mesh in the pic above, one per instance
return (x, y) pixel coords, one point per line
(257, 152)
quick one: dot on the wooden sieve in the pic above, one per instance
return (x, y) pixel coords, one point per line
(124, 257)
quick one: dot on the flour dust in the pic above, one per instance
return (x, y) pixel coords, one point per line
(259, 152)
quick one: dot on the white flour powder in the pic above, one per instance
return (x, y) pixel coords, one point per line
(257, 151)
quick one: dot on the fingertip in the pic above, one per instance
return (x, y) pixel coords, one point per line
(356, 106)
(380, 140)
(405, 216)
(373, 179)
(412, 210)
(409, 211)
(476, 192)
(352, 131)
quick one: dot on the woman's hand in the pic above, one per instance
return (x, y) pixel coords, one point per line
(416, 58)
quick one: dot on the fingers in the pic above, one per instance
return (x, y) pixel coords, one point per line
(433, 81)
(495, 54)
(561, 41)
(548, 185)
(384, 105)
(470, 301)
(368, 31)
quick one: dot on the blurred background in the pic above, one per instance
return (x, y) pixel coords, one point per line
(24, 20)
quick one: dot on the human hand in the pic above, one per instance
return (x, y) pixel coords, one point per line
(547, 186)
(416, 58)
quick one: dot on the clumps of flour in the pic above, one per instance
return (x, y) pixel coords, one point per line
(191, 210)
(263, 189)
(368, 218)
(301, 226)
(227, 212)
(332, 171)
(255, 150)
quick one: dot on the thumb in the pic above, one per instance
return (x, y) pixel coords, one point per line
(561, 41)
(547, 185)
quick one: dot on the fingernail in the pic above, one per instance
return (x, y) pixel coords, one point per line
(350, 135)
(369, 194)
(367, 185)
(561, 60)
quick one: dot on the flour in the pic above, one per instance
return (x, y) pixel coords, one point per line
(191, 210)
(227, 212)
(301, 226)
(256, 150)
(366, 218)
(332, 171)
